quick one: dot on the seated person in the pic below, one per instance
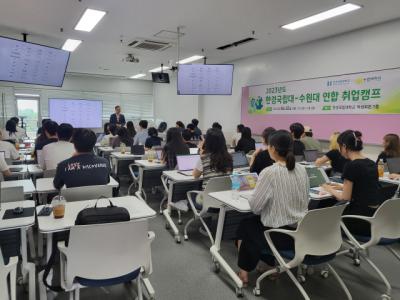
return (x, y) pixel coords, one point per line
(107, 139)
(131, 129)
(197, 132)
(21, 132)
(142, 135)
(10, 132)
(214, 157)
(187, 136)
(360, 186)
(106, 131)
(84, 167)
(391, 144)
(216, 125)
(50, 131)
(56, 152)
(246, 142)
(280, 200)
(122, 137)
(180, 126)
(309, 142)
(260, 158)
(153, 139)
(333, 155)
(40, 136)
(238, 134)
(174, 146)
(297, 131)
(4, 169)
(9, 149)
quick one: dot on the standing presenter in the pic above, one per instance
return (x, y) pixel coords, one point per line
(117, 118)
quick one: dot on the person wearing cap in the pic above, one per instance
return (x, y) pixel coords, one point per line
(309, 142)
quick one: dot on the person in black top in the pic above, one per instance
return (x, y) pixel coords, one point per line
(391, 144)
(197, 132)
(187, 136)
(260, 158)
(122, 137)
(333, 155)
(84, 167)
(297, 131)
(174, 146)
(162, 127)
(246, 142)
(153, 139)
(50, 131)
(180, 126)
(216, 125)
(361, 183)
(131, 129)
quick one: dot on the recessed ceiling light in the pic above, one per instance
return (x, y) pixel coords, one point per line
(159, 69)
(190, 59)
(26, 95)
(138, 76)
(70, 45)
(334, 12)
(89, 19)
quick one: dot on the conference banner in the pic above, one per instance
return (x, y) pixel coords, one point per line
(376, 92)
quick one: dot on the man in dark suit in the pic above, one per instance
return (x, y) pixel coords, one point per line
(117, 119)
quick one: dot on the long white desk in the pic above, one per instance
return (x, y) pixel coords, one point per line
(48, 225)
(386, 179)
(142, 165)
(27, 184)
(45, 185)
(23, 224)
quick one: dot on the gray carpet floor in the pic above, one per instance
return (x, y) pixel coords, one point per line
(184, 271)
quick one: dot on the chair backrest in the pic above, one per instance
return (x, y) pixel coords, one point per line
(215, 184)
(151, 178)
(49, 173)
(105, 251)
(12, 194)
(86, 192)
(180, 189)
(319, 232)
(386, 221)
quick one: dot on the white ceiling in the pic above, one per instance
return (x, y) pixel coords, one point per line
(208, 25)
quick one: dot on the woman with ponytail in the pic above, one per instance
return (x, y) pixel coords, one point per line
(280, 200)
(361, 182)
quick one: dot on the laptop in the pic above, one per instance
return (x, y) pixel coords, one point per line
(317, 177)
(239, 160)
(259, 146)
(186, 163)
(299, 158)
(137, 150)
(393, 165)
(310, 155)
(194, 151)
(247, 183)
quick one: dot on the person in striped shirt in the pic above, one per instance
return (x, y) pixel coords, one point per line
(280, 200)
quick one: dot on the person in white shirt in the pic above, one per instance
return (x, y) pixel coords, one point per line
(21, 132)
(142, 135)
(10, 132)
(10, 152)
(56, 152)
(238, 135)
(5, 171)
(106, 140)
(280, 200)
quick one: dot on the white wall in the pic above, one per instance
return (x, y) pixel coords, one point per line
(371, 48)
(170, 107)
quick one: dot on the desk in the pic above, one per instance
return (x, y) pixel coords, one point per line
(48, 225)
(23, 224)
(115, 157)
(27, 184)
(240, 205)
(106, 149)
(45, 185)
(22, 170)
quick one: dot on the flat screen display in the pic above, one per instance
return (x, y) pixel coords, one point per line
(80, 113)
(32, 63)
(160, 77)
(205, 79)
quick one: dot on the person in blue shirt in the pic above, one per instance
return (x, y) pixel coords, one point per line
(153, 139)
(142, 135)
(117, 118)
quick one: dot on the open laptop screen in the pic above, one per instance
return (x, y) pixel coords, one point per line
(393, 165)
(317, 177)
(310, 155)
(239, 160)
(187, 162)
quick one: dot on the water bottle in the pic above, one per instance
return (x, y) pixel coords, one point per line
(235, 186)
(123, 148)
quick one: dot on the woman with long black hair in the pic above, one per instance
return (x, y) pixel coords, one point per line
(175, 145)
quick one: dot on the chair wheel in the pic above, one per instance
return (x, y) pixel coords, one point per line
(385, 297)
(216, 267)
(301, 278)
(324, 274)
(167, 226)
(239, 292)
(180, 222)
(256, 292)
(185, 237)
(178, 239)
(356, 262)
(161, 212)
(20, 280)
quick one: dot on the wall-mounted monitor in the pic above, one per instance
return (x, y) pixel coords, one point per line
(80, 113)
(32, 63)
(199, 79)
(160, 77)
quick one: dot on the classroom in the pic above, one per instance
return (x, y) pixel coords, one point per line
(191, 150)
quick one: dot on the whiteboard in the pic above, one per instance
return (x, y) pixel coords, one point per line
(80, 113)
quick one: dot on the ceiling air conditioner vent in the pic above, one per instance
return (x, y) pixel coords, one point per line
(149, 45)
(238, 43)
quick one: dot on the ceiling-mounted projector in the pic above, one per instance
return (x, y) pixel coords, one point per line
(131, 58)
